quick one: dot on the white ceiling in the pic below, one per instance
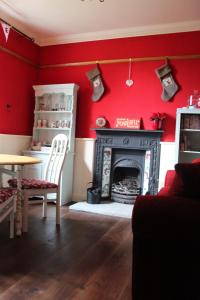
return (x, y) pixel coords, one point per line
(60, 21)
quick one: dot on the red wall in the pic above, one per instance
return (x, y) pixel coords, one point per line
(140, 100)
(16, 80)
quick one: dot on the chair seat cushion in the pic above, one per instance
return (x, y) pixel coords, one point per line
(5, 194)
(33, 184)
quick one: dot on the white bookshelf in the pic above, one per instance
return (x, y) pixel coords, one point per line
(187, 137)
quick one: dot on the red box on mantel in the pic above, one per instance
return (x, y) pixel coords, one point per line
(127, 123)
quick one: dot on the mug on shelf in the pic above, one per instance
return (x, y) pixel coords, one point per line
(44, 123)
(58, 123)
(39, 123)
(52, 124)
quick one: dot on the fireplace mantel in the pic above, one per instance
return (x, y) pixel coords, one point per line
(136, 140)
(123, 130)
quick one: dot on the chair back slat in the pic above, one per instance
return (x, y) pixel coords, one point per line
(57, 157)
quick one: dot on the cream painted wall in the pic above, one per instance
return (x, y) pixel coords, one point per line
(83, 167)
(84, 159)
(13, 144)
(167, 160)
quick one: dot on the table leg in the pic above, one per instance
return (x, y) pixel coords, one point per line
(1, 179)
(19, 202)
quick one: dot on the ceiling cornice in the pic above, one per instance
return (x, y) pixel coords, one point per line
(121, 33)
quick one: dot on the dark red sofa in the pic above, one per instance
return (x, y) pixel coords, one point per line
(166, 238)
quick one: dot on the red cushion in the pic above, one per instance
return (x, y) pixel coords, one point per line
(190, 176)
(170, 177)
(196, 160)
(5, 194)
(173, 184)
(176, 188)
(164, 191)
(33, 184)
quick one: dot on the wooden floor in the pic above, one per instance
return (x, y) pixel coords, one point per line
(89, 258)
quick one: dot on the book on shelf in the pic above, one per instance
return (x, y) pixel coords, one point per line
(185, 143)
(190, 122)
(186, 122)
(194, 122)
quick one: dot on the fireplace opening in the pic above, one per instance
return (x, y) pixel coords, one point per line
(127, 182)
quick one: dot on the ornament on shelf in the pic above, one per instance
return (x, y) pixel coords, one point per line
(130, 123)
(157, 120)
(194, 100)
(101, 122)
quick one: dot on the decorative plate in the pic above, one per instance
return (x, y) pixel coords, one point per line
(101, 121)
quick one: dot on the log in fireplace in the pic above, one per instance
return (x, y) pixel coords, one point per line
(126, 163)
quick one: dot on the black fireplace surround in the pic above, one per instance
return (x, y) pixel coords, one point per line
(125, 151)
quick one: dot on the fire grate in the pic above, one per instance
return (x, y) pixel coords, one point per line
(126, 190)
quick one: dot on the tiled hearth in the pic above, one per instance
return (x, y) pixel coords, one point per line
(126, 163)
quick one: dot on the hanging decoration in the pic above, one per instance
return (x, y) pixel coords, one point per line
(170, 88)
(6, 29)
(95, 78)
(129, 81)
(101, 122)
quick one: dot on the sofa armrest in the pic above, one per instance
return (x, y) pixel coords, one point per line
(166, 216)
(166, 247)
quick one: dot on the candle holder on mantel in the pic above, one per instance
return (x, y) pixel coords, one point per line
(157, 120)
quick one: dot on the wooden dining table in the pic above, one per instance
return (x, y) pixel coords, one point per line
(17, 162)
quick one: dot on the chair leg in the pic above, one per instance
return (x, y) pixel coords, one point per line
(12, 222)
(25, 214)
(58, 201)
(45, 206)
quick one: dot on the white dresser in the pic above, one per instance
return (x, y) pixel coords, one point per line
(55, 112)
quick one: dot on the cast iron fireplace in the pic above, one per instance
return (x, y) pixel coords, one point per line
(126, 163)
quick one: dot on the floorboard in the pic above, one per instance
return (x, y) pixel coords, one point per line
(89, 257)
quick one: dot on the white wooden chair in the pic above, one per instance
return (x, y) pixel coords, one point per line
(50, 184)
(7, 207)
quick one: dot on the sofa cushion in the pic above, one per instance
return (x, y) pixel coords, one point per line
(173, 184)
(196, 160)
(164, 191)
(190, 176)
